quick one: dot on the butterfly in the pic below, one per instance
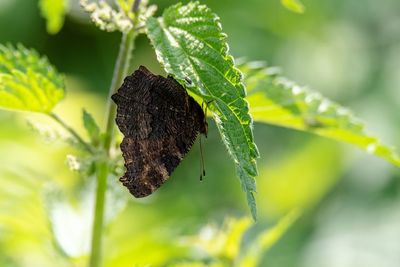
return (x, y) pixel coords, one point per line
(160, 123)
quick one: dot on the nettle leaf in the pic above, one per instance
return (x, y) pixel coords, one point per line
(91, 127)
(191, 46)
(27, 81)
(276, 100)
(54, 13)
(293, 5)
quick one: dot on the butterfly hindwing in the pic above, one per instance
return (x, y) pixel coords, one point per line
(148, 163)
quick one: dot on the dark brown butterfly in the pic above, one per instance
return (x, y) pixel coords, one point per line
(160, 123)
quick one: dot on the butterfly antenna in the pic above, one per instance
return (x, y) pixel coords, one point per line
(202, 169)
(204, 106)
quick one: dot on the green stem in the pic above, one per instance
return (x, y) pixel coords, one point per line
(120, 71)
(97, 229)
(85, 145)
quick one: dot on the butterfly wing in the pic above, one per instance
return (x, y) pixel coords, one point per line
(160, 123)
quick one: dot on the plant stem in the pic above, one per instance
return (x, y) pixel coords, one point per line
(120, 71)
(72, 132)
(97, 229)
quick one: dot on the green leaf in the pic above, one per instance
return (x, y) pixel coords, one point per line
(293, 5)
(28, 82)
(189, 43)
(91, 127)
(222, 243)
(276, 100)
(235, 231)
(54, 13)
(267, 239)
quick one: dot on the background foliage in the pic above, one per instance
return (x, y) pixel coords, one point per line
(348, 50)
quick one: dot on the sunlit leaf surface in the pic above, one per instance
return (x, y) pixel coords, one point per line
(27, 81)
(276, 100)
(191, 46)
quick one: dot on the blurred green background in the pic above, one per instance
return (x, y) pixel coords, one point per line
(349, 201)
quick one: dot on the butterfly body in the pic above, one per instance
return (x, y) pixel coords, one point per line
(160, 123)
